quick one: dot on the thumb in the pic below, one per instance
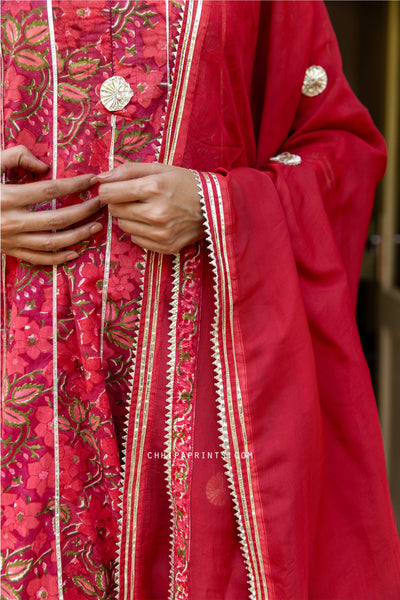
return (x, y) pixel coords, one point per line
(21, 157)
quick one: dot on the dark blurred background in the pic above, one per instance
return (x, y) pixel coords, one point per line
(368, 32)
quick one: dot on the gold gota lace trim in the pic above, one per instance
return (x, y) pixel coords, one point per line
(57, 499)
(122, 579)
(242, 423)
(149, 340)
(169, 424)
(167, 41)
(181, 74)
(107, 258)
(125, 434)
(170, 76)
(223, 427)
(251, 551)
(177, 106)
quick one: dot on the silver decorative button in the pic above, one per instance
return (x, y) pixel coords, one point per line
(287, 158)
(315, 81)
(115, 93)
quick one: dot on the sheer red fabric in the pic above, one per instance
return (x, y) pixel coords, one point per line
(252, 457)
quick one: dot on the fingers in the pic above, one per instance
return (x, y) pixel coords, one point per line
(131, 171)
(49, 242)
(43, 258)
(20, 156)
(133, 190)
(47, 220)
(167, 240)
(40, 191)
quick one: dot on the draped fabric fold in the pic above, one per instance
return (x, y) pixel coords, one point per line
(233, 385)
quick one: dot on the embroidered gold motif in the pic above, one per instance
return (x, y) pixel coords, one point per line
(115, 93)
(315, 81)
(287, 158)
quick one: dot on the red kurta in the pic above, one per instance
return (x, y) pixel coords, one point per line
(252, 462)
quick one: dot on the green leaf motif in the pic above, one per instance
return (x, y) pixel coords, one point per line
(36, 33)
(65, 513)
(85, 585)
(30, 60)
(83, 68)
(26, 393)
(7, 592)
(73, 93)
(17, 569)
(119, 337)
(101, 580)
(11, 30)
(77, 412)
(15, 417)
(134, 141)
(64, 424)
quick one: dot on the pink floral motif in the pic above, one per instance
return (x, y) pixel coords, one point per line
(15, 363)
(91, 279)
(78, 19)
(33, 339)
(28, 139)
(43, 588)
(12, 83)
(22, 516)
(44, 430)
(121, 286)
(88, 449)
(155, 43)
(14, 8)
(145, 88)
(41, 474)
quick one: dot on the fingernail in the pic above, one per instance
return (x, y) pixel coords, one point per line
(106, 175)
(96, 227)
(71, 256)
(93, 180)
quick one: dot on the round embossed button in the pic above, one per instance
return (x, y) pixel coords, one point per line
(286, 158)
(115, 93)
(315, 81)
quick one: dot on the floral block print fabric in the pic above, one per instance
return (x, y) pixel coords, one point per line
(94, 41)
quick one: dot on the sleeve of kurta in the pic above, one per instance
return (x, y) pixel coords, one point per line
(285, 240)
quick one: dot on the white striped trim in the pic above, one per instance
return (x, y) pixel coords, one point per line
(57, 499)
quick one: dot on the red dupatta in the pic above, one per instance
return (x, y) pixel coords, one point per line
(287, 186)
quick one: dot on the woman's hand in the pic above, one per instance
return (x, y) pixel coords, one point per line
(157, 204)
(28, 235)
